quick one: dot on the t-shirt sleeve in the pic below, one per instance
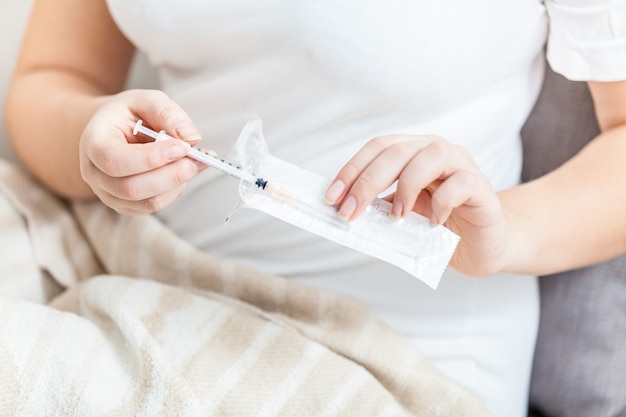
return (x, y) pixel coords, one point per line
(587, 39)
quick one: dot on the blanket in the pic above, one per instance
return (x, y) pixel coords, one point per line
(110, 315)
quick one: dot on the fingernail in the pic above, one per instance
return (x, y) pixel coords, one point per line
(188, 132)
(334, 191)
(176, 151)
(434, 220)
(396, 210)
(347, 208)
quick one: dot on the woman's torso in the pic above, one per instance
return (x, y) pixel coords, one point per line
(327, 76)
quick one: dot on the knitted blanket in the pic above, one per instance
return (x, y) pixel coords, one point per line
(143, 324)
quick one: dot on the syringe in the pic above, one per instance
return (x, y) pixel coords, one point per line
(211, 160)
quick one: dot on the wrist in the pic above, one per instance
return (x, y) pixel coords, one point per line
(520, 249)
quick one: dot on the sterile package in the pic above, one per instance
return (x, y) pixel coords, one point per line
(296, 196)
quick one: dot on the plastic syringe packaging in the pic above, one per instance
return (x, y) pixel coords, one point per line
(296, 196)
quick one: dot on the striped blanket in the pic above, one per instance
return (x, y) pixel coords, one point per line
(109, 315)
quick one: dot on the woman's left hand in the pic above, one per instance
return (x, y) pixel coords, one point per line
(435, 179)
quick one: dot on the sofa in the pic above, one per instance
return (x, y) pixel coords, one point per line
(580, 362)
(580, 358)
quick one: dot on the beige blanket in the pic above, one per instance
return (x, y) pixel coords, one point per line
(145, 325)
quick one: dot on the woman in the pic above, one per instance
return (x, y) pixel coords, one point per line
(442, 87)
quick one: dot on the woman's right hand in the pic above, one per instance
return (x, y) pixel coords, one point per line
(132, 174)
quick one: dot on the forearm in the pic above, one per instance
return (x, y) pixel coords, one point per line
(573, 216)
(73, 56)
(47, 110)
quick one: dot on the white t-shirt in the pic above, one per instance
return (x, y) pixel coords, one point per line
(328, 75)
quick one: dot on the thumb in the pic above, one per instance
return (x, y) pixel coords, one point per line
(160, 112)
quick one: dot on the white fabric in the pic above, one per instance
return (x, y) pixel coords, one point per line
(588, 39)
(150, 326)
(326, 76)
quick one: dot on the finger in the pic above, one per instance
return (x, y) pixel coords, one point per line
(422, 206)
(151, 183)
(379, 175)
(463, 188)
(124, 159)
(161, 113)
(145, 206)
(435, 162)
(342, 183)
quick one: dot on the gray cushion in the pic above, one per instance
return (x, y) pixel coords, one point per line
(580, 360)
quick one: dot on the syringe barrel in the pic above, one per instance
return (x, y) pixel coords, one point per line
(210, 160)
